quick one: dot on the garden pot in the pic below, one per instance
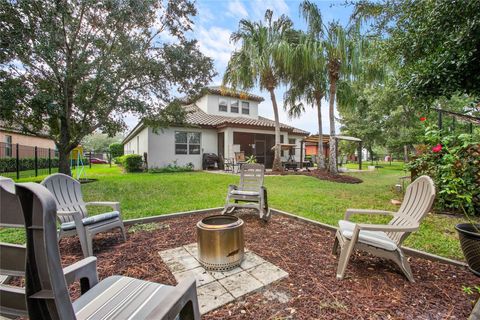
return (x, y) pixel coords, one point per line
(470, 243)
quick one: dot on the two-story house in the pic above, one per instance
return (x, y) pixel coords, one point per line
(223, 122)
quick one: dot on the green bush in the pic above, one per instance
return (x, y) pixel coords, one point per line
(453, 162)
(116, 150)
(173, 168)
(130, 162)
(9, 164)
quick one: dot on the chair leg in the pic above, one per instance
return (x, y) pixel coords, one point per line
(346, 252)
(84, 244)
(124, 234)
(335, 247)
(89, 244)
(403, 264)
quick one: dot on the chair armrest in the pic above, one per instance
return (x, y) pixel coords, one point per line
(177, 303)
(84, 270)
(387, 227)
(114, 205)
(351, 212)
(232, 187)
(77, 217)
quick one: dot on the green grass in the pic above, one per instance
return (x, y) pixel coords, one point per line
(147, 194)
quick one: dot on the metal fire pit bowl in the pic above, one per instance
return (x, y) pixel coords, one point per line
(220, 242)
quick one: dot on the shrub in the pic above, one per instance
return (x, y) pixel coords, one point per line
(116, 150)
(130, 162)
(9, 164)
(173, 168)
(453, 162)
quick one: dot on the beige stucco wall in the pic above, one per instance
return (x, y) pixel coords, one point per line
(27, 141)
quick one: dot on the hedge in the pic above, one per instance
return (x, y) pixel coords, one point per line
(10, 164)
(131, 162)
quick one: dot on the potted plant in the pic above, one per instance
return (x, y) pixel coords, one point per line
(469, 234)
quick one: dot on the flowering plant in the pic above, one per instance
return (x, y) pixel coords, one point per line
(453, 162)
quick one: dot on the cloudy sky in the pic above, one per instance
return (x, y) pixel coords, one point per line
(217, 19)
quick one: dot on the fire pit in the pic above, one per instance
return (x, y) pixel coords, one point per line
(220, 242)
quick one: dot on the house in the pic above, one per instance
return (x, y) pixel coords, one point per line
(11, 137)
(222, 121)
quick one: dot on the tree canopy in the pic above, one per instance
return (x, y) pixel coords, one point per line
(70, 68)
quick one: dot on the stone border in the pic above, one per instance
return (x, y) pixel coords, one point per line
(409, 251)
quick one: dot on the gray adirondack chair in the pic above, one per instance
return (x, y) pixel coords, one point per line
(250, 190)
(385, 240)
(72, 212)
(115, 297)
(13, 256)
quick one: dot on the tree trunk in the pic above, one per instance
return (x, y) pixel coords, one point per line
(277, 161)
(405, 153)
(64, 161)
(332, 162)
(320, 153)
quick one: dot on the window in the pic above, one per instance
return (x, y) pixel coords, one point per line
(8, 145)
(245, 107)
(222, 105)
(234, 106)
(292, 151)
(187, 142)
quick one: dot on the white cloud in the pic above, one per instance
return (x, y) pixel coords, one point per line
(214, 42)
(237, 9)
(258, 8)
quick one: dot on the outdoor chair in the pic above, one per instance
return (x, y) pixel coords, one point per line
(385, 240)
(72, 212)
(13, 256)
(250, 190)
(116, 297)
(228, 165)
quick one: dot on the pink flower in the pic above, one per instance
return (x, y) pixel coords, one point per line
(423, 119)
(437, 148)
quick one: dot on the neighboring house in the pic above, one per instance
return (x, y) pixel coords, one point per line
(10, 137)
(223, 122)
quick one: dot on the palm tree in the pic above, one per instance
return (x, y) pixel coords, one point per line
(342, 52)
(308, 74)
(308, 84)
(257, 61)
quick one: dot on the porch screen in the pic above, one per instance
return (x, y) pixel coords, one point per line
(187, 142)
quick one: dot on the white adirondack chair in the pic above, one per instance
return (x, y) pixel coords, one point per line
(385, 240)
(72, 212)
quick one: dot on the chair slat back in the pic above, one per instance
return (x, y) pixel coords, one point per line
(417, 202)
(251, 176)
(67, 193)
(12, 256)
(47, 293)
(240, 156)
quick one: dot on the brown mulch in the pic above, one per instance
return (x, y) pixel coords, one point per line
(320, 174)
(372, 289)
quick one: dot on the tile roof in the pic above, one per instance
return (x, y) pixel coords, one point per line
(198, 117)
(229, 92)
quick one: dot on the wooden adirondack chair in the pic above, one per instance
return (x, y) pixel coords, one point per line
(72, 212)
(115, 297)
(385, 240)
(13, 256)
(250, 190)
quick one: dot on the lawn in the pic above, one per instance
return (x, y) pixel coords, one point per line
(147, 194)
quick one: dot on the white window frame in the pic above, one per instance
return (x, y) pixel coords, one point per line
(188, 144)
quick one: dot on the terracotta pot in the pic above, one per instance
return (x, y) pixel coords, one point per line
(470, 243)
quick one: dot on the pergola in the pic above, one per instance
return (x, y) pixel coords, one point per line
(326, 138)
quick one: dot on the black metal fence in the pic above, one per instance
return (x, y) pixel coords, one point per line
(19, 161)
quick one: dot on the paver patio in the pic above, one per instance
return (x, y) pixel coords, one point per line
(218, 288)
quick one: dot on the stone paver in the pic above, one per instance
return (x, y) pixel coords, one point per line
(251, 260)
(212, 296)
(200, 274)
(218, 288)
(240, 283)
(267, 273)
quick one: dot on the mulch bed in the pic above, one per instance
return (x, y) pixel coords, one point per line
(372, 289)
(320, 174)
